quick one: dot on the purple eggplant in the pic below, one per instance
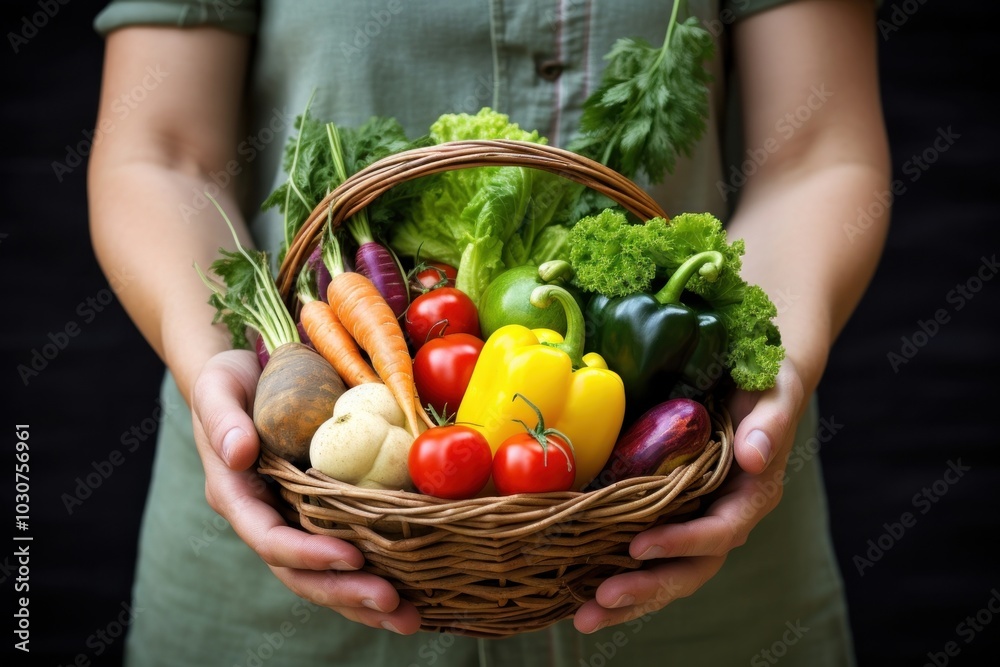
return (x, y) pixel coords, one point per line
(378, 264)
(665, 437)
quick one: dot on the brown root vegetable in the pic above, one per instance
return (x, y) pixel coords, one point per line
(295, 394)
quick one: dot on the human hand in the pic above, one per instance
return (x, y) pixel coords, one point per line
(684, 556)
(318, 568)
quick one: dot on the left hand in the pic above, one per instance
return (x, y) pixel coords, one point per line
(683, 556)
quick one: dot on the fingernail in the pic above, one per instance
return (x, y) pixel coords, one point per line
(624, 601)
(229, 442)
(390, 627)
(759, 441)
(341, 565)
(371, 604)
(600, 626)
(655, 551)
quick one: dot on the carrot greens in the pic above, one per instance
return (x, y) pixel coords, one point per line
(247, 296)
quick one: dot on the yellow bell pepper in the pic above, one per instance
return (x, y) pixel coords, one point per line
(576, 394)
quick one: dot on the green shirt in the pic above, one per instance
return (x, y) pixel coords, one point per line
(202, 597)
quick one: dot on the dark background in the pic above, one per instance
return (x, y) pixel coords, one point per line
(901, 429)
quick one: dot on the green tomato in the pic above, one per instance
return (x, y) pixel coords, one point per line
(507, 298)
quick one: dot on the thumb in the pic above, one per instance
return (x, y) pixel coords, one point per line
(222, 399)
(767, 420)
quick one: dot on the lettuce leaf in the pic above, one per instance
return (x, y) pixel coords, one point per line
(483, 220)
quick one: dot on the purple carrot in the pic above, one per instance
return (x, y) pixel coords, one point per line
(377, 263)
(315, 263)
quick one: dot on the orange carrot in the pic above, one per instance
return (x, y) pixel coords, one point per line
(370, 321)
(332, 340)
(328, 335)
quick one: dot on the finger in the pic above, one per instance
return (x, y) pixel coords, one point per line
(725, 526)
(634, 594)
(359, 596)
(770, 424)
(244, 500)
(221, 397)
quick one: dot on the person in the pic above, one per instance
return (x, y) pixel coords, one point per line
(753, 579)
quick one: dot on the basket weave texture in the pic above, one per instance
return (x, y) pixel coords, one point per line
(493, 566)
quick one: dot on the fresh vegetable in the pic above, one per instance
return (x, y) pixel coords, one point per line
(507, 300)
(450, 461)
(539, 460)
(316, 265)
(486, 219)
(645, 336)
(652, 102)
(667, 436)
(295, 395)
(297, 389)
(442, 369)
(372, 324)
(615, 258)
(438, 312)
(263, 356)
(431, 275)
(332, 340)
(372, 260)
(364, 443)
(576, 393)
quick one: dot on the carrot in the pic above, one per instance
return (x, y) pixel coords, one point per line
(367, 316)
(329, 336)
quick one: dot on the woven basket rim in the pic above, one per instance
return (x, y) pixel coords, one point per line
(363, 187)
(543, 552)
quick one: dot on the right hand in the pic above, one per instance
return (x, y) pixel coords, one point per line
(318, 568)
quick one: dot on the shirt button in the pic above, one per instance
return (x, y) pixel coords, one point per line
(549, 69)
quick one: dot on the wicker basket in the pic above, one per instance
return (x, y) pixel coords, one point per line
(496, 566)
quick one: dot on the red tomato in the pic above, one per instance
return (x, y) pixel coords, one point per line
(436, 274)
(520, 465)
(445, 310)
(442, 369)
(450, 462)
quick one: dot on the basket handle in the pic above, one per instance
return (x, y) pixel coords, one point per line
(361, 189)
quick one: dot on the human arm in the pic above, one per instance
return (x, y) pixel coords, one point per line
(794, 213)
(146, 174)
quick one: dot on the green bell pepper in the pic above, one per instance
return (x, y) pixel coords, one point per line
(646, 336)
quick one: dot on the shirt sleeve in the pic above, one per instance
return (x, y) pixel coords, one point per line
(740, 9)
(238, 16)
